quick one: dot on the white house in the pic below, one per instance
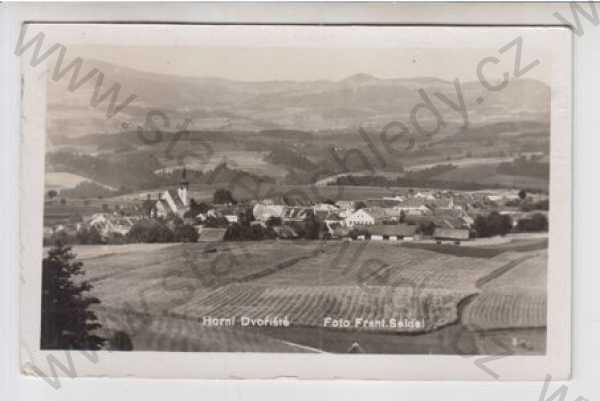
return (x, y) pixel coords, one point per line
(361, 217)
(264, 211)
(345, 204)
(413, 207)
(231, 218)
(107, 224)
(396, 198)
(325, 207)
(425, 195)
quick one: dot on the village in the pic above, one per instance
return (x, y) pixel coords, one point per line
(442, 216)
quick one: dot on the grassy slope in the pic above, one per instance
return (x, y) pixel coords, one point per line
(514, 299)
(305, 280)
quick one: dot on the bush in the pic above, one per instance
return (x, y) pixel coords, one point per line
(537, 222)
(216, 222)
(89, 236)
(223, 196)
(67, 321)
(61, 237)
(541, 205)
(116, 239)
(186, 233)
(150, 231)
(274, 221)
(355, 232)
(492, 224)
(197, 208)
(426, 228)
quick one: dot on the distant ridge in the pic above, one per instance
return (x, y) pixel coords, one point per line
(219, 104)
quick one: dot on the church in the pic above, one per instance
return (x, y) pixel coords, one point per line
(170, 202)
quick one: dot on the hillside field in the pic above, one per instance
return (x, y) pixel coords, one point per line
(515, 299)
(143, 287)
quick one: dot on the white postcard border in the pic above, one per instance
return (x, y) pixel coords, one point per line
(324, 366)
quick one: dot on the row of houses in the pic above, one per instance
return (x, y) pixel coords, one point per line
(449, 214)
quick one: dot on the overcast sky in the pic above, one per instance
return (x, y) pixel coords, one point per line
(301, 64)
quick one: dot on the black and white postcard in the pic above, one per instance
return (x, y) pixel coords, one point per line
(359, 202)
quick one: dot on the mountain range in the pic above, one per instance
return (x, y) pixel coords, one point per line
(217, 104)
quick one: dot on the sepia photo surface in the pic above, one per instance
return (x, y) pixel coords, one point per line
(223, 193)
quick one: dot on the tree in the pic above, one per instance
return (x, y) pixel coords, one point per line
(186, 233)
(88, 189)
(216, 222)
(360, 205)
(89, 236)
(522, 194)
(537, 222)
(312, 226)
(492, 224)
(120, 341)
(223, 196)
(245, 216)
(197, 208)
(541, 205)
(150, 231)
(67, 319)
(255, 232)
(426, 228)
(52, 194)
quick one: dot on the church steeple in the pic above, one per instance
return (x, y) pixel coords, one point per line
(182, 191)
(183, 180)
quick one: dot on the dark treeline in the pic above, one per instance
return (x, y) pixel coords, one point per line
(135, 171)
(525, 167)
(381, 181)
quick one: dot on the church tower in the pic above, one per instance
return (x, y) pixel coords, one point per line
(182, 191)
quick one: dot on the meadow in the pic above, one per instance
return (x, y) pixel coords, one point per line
(514, 299)
(305, 281)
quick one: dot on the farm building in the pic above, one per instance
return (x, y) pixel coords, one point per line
(392, 231)
(453, 218)
(450, 234)
(377, 215)
(107, 224)
(413, 207)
